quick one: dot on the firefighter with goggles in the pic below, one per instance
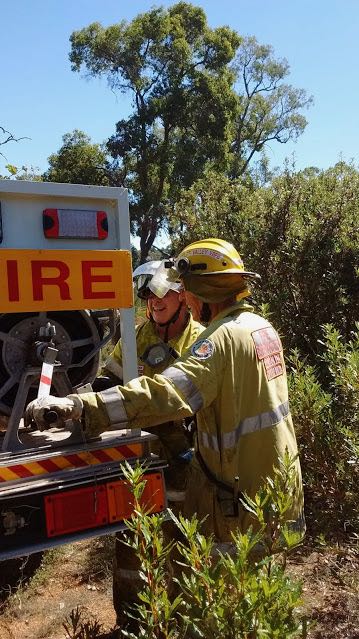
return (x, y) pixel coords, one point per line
(233, 377)
(168, 331)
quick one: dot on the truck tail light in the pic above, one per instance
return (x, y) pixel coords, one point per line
(94, 506)
(120, 499)
(76, 510)
(75, 224)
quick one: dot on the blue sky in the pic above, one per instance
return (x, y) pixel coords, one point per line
(41, 97)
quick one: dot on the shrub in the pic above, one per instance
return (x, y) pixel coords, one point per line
(325, 407)
(241, 593)
(300, 233)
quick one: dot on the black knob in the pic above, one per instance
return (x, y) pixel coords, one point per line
(50, 416)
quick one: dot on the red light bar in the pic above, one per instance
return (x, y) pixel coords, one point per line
(120, 498)
(76, 510)
(74, 223)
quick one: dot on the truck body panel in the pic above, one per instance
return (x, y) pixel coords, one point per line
(65, 264)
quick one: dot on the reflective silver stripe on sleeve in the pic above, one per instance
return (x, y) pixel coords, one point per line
(248, 425)
(113, 367)
(186, 386)
(113, 401)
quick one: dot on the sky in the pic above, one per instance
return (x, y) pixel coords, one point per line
(42, 99)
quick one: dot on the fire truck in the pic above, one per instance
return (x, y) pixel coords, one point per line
(65, 275)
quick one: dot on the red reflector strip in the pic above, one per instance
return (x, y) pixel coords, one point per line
(76, 461)
(120, 499)
(61, 462)
(45, 379)
(75, 223)
(76, 510)
(21, 471)
(49, 466)
(102, 456)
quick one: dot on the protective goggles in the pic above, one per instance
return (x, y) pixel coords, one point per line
(142, 280)
(144, 291)
(158, 284)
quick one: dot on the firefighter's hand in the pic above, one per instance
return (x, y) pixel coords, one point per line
(50, 411)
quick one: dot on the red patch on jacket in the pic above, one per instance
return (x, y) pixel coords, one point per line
(269, 348)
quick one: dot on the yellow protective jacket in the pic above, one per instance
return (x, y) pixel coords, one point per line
(146, 336)
(234, 378)
(172, 438)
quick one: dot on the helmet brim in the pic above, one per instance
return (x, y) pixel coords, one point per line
(233, 271)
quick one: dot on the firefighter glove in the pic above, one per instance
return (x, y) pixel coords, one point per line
(47, 412)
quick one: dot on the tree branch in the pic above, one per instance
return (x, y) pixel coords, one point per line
(9, 137)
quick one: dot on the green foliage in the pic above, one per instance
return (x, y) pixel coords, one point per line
(308, 253)
(300, 233)
(326, 415)
(157, 613)
(31, 174)
(176, 69)
(239, 592)
(269, 109)
(215, 206)
(12, 169)
(196, 106)
(78, 161)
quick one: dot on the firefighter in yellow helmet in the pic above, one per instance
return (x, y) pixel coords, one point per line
(233, 378)
(168, 331)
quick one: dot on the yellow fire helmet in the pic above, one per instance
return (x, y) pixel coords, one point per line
(213, 270)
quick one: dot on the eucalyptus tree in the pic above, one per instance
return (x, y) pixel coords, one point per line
(78, 161)
(202, 99)
(269, 109)
(176, 69)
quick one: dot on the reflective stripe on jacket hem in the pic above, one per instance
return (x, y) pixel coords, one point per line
(224, 548)
(246, 426)
(113, 400)
(130, 575)
(176, 495)
(186, 386)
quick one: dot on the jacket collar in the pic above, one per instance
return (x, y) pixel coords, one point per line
(238, 307)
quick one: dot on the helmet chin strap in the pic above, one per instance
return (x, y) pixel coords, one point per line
(172, 320)
(205, 314)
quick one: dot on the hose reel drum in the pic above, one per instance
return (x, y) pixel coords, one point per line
(77, 335)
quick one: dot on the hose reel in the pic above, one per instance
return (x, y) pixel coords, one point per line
(78, 337)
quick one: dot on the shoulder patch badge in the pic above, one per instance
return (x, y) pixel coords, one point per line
(269, 348)
(202, 349)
